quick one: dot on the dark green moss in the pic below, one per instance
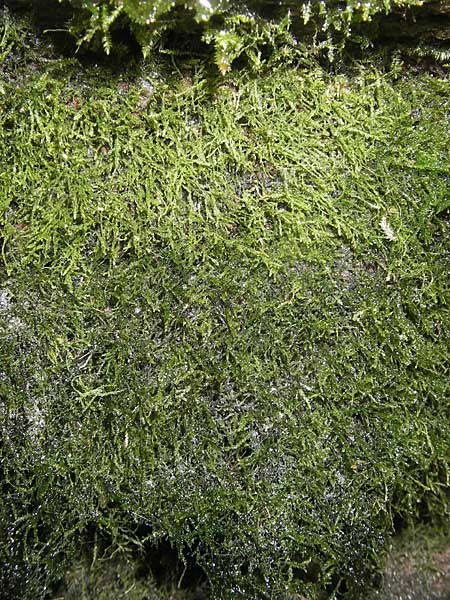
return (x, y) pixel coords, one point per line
(224, 325)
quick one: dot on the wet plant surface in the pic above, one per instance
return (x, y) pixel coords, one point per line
(224, 325)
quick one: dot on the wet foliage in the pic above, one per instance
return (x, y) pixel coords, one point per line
(248, 31)
(238, 33)
(224, 324)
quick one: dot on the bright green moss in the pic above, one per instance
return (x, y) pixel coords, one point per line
(224, 323)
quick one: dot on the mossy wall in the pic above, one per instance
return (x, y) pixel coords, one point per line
(224, 321)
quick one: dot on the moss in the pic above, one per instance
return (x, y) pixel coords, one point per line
(224, 321)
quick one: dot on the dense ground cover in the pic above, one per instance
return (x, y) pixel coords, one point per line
(224, 324)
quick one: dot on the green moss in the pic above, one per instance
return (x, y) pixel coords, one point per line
(233, 29)
(224, 323)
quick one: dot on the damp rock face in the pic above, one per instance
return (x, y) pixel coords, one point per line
(417, 567)
(428, 24)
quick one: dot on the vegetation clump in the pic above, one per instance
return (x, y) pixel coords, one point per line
(224, 323)
(233, 29)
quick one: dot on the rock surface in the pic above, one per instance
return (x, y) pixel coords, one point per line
(416, 569)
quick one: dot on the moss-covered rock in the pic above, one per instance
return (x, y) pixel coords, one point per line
(224, 324)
